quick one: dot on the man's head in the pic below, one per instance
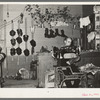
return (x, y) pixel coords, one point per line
(68, 41)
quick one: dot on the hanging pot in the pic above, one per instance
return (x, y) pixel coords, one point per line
(33, 43)
(19, 40)
(13, 42)
(19, 51)
(12, 51)
(26, 52)
(12, 33)
(25, 38)
(19, 32)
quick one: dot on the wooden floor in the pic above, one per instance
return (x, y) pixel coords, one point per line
(20, 83)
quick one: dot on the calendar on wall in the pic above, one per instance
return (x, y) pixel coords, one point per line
(97, 26)
(97, 22)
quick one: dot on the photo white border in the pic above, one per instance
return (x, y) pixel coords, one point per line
(54, 92)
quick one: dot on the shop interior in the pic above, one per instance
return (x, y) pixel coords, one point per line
(32, 37)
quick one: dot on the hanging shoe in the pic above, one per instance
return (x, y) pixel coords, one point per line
(51, 34)
(26, 52)
(19, 51)
(12, 51)
(19, 40)
(33, 43)
(62, 33)
(46, 33)
(25, 38)
(12, 33)
(13, 42)
(19, 32)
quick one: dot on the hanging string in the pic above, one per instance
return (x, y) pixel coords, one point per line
(25, 34)
(18, 24)
(18, 61)
(5, 47)
(18, 46)
(32, 28)
(18, 57)
(26, 31)
(12, 27)
(7, 10)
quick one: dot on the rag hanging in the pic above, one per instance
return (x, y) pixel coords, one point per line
(84, 21)
(91, 36)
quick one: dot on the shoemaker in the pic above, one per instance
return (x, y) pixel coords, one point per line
(69, 55)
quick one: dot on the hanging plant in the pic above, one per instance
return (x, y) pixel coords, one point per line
(50, 15)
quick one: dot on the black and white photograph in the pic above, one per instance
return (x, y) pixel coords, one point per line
(46, 45)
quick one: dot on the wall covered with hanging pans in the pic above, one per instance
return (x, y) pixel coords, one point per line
(19, 37)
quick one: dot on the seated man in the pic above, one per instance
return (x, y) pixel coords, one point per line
(68, 55)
